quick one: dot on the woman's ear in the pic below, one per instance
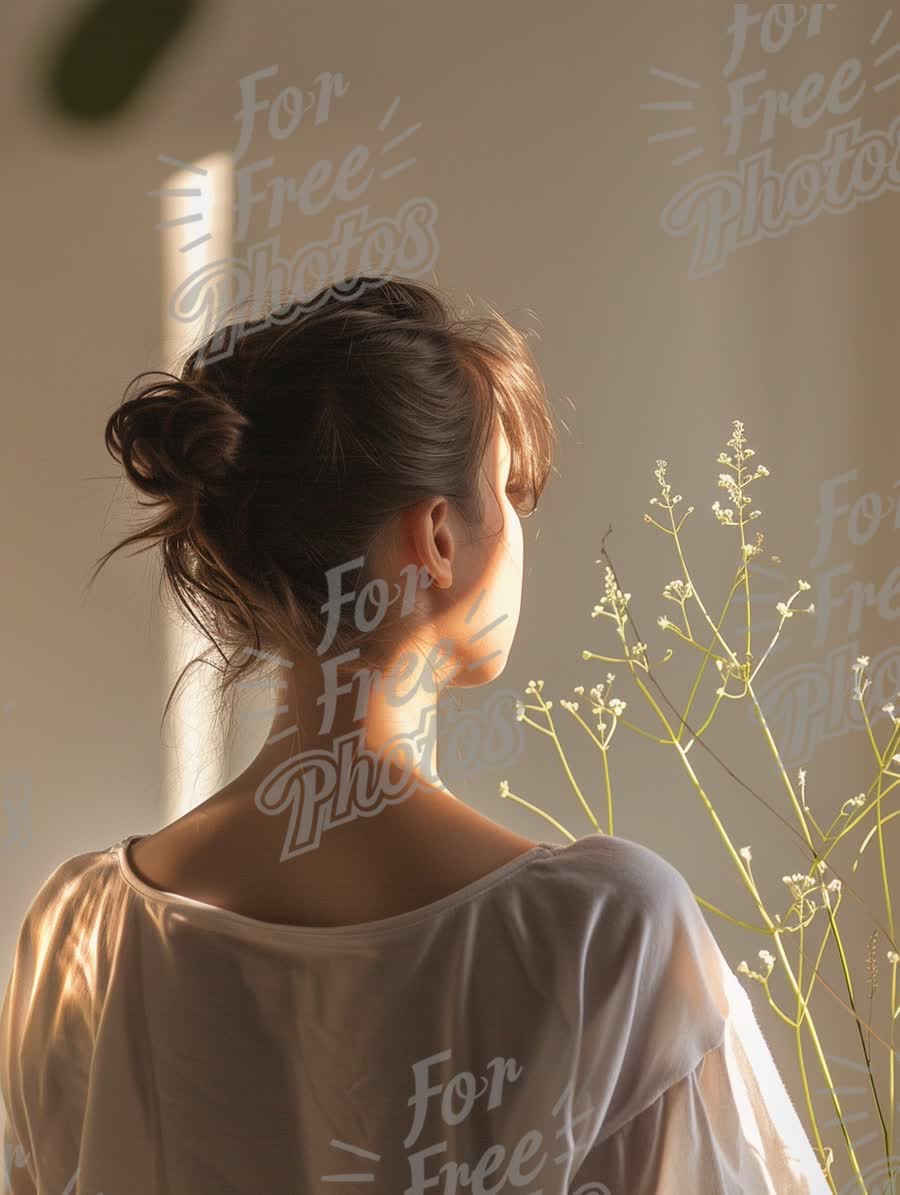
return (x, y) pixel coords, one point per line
(433, 540)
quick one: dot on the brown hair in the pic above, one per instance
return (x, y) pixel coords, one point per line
(284, 457)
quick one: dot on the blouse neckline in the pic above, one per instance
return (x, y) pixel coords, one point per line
(311, 933)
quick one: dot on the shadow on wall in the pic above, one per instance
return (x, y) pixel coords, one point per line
(97, 62)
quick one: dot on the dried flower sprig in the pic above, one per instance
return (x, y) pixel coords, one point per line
(737, 673)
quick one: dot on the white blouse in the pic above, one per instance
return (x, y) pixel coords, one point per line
(565, 1024)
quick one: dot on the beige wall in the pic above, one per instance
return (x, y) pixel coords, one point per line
(537, 153)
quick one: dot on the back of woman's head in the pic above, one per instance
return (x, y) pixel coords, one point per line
(285, 457)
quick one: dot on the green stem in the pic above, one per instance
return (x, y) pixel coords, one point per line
(837, 938)
(519, 800)
(702, 668)
(565, 763)
(758, 929)
(748, 881)
(602, 748)
(891, 1062)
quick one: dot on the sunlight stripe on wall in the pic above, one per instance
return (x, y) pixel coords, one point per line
(196, 231)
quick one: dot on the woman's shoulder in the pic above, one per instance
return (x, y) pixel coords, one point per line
(654, 988)
(629, 877)
(63, 895)
(637, 926)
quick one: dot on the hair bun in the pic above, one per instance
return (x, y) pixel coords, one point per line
(177, 439)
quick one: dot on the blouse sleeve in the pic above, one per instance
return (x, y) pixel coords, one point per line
(699, 1104)
(18, 1163)
(728, 1128)
(17, 1178)
(44, 1037)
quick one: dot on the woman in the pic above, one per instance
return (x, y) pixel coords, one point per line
(332, 975)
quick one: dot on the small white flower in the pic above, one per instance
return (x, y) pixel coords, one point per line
(801, 775)
(798, 881)
(893, 956)
(504, 788)
(742, 968)
(768, 959)
(834, 885)
(520, 711)
(744, 852)
(861, 662)
(578, 689)
(617, 705)
(804, 584)
(663, 621)
(783, 610)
